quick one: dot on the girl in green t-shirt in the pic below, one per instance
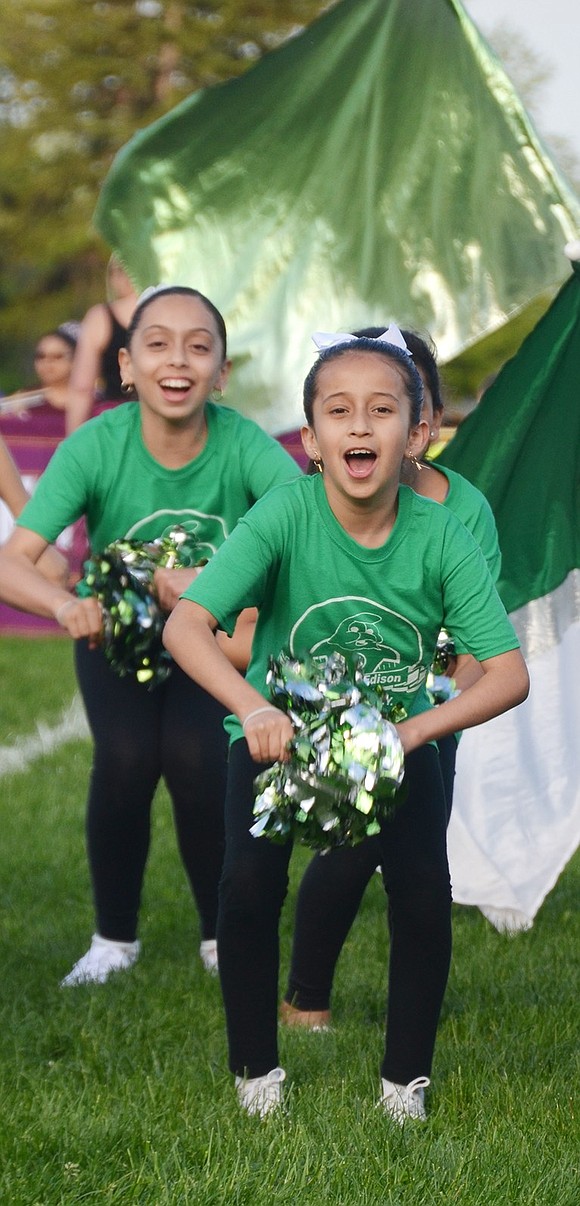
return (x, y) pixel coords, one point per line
(321, 558)
(333, 884)
(172, 458)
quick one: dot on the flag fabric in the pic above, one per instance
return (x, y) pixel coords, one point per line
(516, 813)
(377, 166)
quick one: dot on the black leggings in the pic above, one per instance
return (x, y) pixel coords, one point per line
(412, 852)
(174, 732)
(328, 901)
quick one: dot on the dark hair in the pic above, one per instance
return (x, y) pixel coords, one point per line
(62, 333)
(185, 291)
(364, 343)
(424, 354)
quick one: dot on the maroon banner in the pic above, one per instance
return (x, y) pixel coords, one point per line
(32, 436)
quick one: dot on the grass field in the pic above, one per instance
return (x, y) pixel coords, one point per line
(120, 1093)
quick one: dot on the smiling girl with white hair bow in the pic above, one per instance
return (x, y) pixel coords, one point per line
(314, 557)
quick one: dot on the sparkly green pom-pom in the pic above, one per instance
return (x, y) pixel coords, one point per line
(346, 767)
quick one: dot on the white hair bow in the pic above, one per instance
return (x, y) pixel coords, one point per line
(326, 339)
(150, 291)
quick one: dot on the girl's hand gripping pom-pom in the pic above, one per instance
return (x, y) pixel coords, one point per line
(268, 732)
(345, 768)
(121, 578)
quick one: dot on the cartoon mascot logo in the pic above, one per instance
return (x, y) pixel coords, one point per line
(388, 645)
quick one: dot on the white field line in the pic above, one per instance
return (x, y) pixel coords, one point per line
(72, 726)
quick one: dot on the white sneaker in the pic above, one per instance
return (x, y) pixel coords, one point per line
(262, 1094)
(103, 957)
(209, 956)
(404, 1101)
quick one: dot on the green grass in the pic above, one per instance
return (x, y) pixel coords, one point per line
(120, 1093)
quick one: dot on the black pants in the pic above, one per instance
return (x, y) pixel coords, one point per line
(173, 732)
(328, 901)
(412, 852)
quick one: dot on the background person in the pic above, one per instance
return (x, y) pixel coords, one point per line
(45, 404)
(32, 424)
(173, 457)
(96, 378)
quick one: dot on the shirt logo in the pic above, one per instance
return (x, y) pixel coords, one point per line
(389, 646)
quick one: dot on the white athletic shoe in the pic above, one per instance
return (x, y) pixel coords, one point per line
(262, 1094)
(209, 955)
(103, 957)
(404, 1101)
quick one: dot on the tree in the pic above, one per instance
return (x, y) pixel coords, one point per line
(530, 72)
(77, 79)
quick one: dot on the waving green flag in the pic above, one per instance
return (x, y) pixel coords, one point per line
(377, 166)
(521, 447)
(516, 815)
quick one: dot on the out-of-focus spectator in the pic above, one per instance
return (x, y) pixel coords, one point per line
(53, 360)
(95, 379)
(32, 424)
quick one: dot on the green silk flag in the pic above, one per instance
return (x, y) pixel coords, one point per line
(521, 447)
(516, 812)
(377, 166)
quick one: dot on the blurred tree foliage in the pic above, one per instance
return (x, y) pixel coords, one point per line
(77, 79)
(530, 72)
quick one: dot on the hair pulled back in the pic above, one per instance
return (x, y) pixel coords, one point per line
(183, 291)
(392, 353)
(424, 354)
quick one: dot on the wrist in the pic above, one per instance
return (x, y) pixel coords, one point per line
(61, 610)
(257, 712)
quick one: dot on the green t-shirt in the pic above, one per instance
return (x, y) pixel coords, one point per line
(318, 590)
(104, 471)
(473, 509)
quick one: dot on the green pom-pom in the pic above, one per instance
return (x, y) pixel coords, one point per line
(346, 766)
(121, 578)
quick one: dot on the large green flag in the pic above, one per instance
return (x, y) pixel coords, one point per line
(377, 166)
(521, 447)
(516, 817)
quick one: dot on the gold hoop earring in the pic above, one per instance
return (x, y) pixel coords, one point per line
(127, 387)
(319, 464)
(217, 393)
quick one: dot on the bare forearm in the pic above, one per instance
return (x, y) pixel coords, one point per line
(504, 683)
(12, 490)
(79, 408)
(55, 567)
(467, 671)
(238, 647)
(93, 336)
(22, 585)
(192, 644)
(189, 635)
